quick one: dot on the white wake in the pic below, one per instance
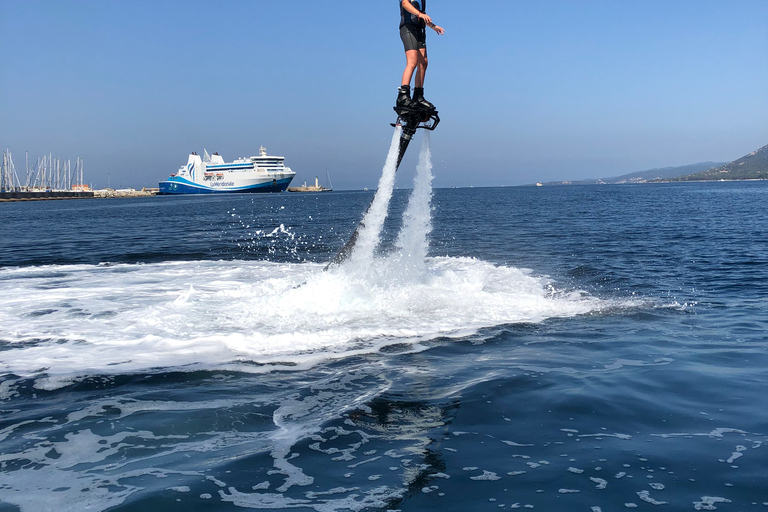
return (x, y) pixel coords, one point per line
(62, 322)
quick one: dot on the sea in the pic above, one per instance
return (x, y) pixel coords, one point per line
(557, 348)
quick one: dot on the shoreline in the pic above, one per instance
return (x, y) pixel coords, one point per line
(51, 195)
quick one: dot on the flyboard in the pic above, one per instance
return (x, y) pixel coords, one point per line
(410, 119)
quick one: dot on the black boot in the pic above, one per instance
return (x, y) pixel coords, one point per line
(404, 97)
(419, 101)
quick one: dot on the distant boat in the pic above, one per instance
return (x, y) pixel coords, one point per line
(538, 184)
(211, 175)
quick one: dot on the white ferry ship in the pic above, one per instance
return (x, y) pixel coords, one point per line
(209, 174)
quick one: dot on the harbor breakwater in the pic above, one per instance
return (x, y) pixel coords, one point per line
(74, 194)
(43, 195)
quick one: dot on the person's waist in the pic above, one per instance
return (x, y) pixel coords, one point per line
(419, 24)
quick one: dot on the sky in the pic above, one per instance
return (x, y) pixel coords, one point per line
(528, 90)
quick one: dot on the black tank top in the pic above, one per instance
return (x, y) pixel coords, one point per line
(407, 18)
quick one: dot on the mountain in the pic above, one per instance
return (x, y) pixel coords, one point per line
(753, 166)
(660, 174)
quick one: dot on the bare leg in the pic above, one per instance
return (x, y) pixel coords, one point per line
(411, 63)
(422, 67)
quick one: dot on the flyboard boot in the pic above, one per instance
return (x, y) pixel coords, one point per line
(418, 100)
(414, 112)
(404, 97)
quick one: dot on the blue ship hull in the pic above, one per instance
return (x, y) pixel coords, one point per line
(176, 185)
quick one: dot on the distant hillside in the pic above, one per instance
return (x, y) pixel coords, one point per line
(753, 166)
(663, 173)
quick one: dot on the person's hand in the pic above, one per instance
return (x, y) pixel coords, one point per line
(425, 17)
(440, 31)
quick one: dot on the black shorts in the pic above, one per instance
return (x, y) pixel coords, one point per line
(414, 38)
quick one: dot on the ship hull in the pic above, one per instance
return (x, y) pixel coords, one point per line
(177, 185)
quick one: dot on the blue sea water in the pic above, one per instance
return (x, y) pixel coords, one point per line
(593, 348)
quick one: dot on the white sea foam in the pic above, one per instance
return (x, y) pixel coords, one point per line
(708, 502)
(487, 475)
(646, 497)
(250, 315)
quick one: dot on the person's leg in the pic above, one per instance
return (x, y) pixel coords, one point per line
(421, 67)
(404, 91)
(411, 47)
(418, 91)
(412, 62)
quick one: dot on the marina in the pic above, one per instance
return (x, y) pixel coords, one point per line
(50, 178)
(48, 174)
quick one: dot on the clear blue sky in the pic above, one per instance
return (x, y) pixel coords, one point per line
(528, 91)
